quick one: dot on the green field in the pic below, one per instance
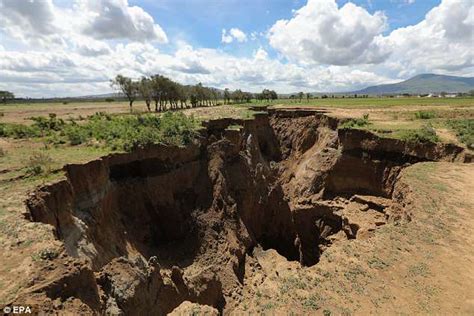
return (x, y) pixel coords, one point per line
(378, 102)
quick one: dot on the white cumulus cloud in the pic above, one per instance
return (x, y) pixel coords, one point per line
(115, 19)
(233, 34)
(321, 32)
(443, 42)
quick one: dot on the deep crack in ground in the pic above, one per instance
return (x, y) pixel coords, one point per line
(147, 230)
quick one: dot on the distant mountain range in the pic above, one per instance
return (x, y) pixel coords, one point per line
(422, 84)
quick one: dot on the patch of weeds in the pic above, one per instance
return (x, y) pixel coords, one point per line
(464, 131)
(356, 122)
(48, 124)
(312, 302)
(39, 163)
(268, 305)
(290, 283)
(377, 263)
(45, 254)
(354, 274)
(420, 269)
(326, 312)
(18, 131)
(425, 115)
(426, 134)
(7, 229)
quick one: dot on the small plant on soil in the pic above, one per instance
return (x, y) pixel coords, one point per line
(425, 115)
(356, 122)
(48, 124)
(39, 163)
(45, 254)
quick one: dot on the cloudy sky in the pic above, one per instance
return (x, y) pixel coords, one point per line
(74, 47)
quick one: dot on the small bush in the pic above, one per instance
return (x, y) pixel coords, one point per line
(18, 131)
(109, 100)
(464, 131)
(423, 135)
(76, 135)
(48, 124)
(3, 153)
(425, 115)
(39, 163)
(356, 122)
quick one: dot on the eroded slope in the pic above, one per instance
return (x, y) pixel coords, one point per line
(145, 231)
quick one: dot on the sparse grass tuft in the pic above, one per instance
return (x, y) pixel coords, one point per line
(39, 163)
(312, 302)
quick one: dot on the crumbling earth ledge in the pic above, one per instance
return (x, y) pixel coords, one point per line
(148, 230)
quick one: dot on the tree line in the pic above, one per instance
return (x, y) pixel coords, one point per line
(163, 94)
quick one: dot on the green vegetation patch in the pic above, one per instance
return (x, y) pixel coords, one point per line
(464, 131)
(119, 132)
(425, 115)
(423, 135)
(356, 122)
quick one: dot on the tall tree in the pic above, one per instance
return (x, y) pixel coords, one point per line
(226, 96)
(128, 87)
(300, 96)
(6, 95)
(145, 88)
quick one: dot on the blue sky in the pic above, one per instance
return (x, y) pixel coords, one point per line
(202, 20)
(74, 47)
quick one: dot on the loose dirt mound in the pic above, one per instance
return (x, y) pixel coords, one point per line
(146, 231)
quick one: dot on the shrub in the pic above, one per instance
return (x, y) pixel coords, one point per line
(423, 135)
(39, 163)
(18, 131)
(128, 132)
(425, 115)
(76, 135)
(464, 131)
(48, 124)
(109, 100)
(2, 152)
(356, 122)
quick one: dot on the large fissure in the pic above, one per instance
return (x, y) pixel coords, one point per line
(148, 230)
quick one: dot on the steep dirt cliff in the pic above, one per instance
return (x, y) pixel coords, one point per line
(146, 231)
